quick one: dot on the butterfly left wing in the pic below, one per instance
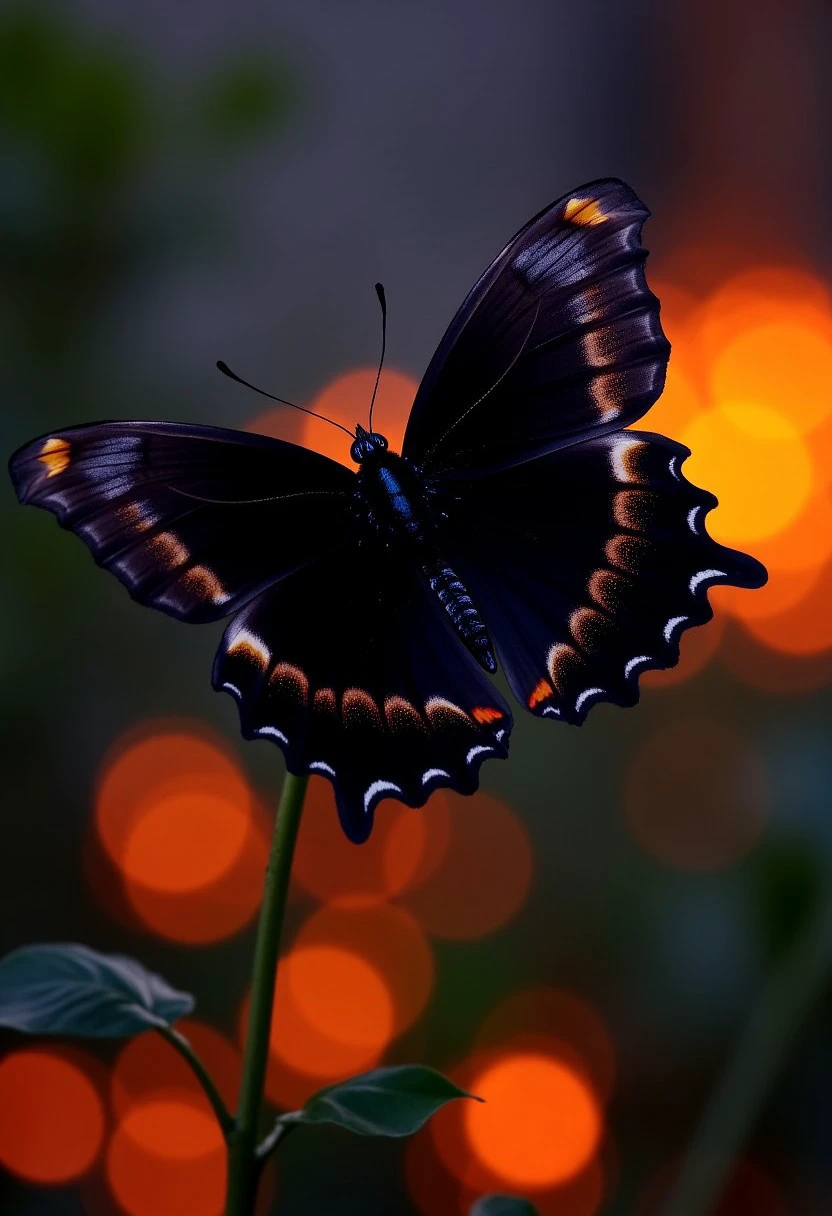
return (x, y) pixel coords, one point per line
(588, 564)
(560, 338)
(352, 668)
(193, 520)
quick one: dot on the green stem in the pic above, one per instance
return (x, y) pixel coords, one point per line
(748, 1077)
(177, 1040)
(243, 1166)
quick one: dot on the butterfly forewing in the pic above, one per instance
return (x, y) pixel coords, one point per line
(193, 520)
(560, 337)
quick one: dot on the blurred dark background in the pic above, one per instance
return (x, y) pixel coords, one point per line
(187, 182)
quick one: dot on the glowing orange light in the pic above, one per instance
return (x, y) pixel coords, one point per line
(330, 868)
(335, 1017)
(389, 939)
(346, 399)
(148, 1067)
(540, 1123)
(782, 364)
(740, 451)
(572, 1029)
(153, 762)
(696, 794)
(184, 841)
(485, 874)
(51, 1117)
(166, 1157)
(804, 628)
(212, 912)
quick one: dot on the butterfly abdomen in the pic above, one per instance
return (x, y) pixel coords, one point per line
(453, 595)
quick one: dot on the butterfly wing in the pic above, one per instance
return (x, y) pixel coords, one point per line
(588, 564)
(193, 520)
(351, 667)
(560, 337)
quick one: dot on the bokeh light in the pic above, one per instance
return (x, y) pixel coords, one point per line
(485, 873)
(166, 1157)
(566, 1021)
(398, 853)
(773, 671)
(179, 823)
(148, 1066)
(391, 940)
(539, 1124)
(52, 1119)
(695, 794)
(346, 399)
(335, 1015)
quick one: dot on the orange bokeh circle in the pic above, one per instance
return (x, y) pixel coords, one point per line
(739, 451)
(774, 671)
(568, 1024)
(540, 1122)
(52, 1119)
(214, 912)
(331, 868)
(695, 795)
(148, 1066)
(803, 628)
(184, 840)
(390, 939)
(346, 400)
(166, 1157)
(485, 874)
(698, 647)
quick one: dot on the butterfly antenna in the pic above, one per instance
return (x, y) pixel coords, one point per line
(226, 371)
(382, 299)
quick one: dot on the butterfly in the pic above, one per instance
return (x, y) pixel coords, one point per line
(521, 525)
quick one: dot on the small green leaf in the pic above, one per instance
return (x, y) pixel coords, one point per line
(69, 989)
(385, 1102)
(502, 1205)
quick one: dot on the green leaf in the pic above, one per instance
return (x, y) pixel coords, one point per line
(69, 989)
(502, 1205)
(385, 1102)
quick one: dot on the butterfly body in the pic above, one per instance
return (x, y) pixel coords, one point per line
(524, 522)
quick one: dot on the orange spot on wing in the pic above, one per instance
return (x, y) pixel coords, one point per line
(584, 211)
(55, 455)
(401, 715)
(168, 550)
(134, 516)
(541, 692)
(442, 713)
(324, 701)
(359, 709)
(484, 714)
(291, 679)
(203, 582)
(249, 646)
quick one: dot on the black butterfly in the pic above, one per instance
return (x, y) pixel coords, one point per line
(521, 523)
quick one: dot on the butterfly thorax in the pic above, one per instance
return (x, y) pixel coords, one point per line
(394, 504)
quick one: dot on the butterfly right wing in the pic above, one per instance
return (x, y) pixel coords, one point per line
(193, 520)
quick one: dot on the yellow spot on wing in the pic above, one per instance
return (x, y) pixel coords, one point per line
(55, 455)
(584, 211)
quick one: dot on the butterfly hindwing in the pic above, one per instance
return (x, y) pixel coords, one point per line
(560, 337)
(588, 565)
(193, 520)
(353, 669)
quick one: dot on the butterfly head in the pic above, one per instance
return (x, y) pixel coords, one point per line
(366, 443)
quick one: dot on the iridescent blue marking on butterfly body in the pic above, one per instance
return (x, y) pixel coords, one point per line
(394, 501)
